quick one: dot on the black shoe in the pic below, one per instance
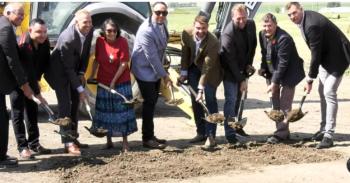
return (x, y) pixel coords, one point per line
(161, 141)
(40, 150)
(80, 145)
(241, 132)
(273, 140)
(318, 136)
(152, 144)
(8, 162)
(232, 140)
(198, 138)
(325, 143)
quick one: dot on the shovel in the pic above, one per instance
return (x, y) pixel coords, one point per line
(173, 101)
(97, 132)
(296, 114)
(52, 117)
(274, 115)
(211, 118)
(238, 122)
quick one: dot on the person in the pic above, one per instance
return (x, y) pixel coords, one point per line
(112, 57)
(200, 65)
(238, 43)
(34, 52)
(329, 59)
(279, 60)
(66, 71)
(147, 66)
(11, 72)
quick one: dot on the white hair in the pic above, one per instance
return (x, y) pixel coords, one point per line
(10, 7)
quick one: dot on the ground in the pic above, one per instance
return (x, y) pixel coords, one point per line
(295, 161)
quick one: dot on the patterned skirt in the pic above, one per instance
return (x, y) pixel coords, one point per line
(112, 114)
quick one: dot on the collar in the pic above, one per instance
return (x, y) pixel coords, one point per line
(80, 34)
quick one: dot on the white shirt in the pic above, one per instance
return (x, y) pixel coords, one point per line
(301, 26)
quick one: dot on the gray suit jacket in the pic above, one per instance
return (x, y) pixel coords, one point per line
(149, 51)
(287, 65)
(67, 60)
(11, 71)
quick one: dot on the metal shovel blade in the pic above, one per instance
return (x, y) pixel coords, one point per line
(235, 124)
(215, 118)
(175, 102)
(97, 132)
(295, 115)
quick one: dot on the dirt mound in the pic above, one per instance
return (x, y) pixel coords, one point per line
(153, 165)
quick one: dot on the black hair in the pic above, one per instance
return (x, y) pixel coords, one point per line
(36, 21)
(111, 22)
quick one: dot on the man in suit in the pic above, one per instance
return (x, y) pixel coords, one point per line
(11, 73)
(200, 65)
(238, 43)
(67, 67)
(34, 52)
(147, 66)
(280, 61)
(329, 59)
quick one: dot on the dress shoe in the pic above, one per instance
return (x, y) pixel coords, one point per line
(232, 140)
(40, 150)
(325, 143)
(153, 144)
(209, 144)
(81, 145)
(241, 132)
(72, 149)
(274, 140)
(198, 138)
(161, 141)
(318, 136)
(8, 162)
(25, 154)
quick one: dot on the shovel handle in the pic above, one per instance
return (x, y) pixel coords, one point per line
(112, 91)
(189, 90)
(303, 99)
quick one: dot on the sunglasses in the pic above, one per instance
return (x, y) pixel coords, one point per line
(111, 31)
(158, 13)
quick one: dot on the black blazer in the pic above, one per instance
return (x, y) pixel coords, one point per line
(329, 46)
(287, 65)
(34, 60)
(232, 55)
(67, 61)
(11, 71)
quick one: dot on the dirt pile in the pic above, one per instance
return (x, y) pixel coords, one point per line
(153, 165)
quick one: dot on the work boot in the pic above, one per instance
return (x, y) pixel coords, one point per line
(318, 136)
(197, 138)
(210, 143)
(325, 143)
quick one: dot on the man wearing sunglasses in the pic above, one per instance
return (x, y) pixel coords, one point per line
(147, 66)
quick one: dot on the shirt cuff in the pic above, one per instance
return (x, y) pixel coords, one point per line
(80, 89)
(184, 73)
(201, 87)
(81, 73)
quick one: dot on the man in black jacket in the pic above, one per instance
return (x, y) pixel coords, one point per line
(280, 61)
(329, 59)
(34, 52)
(238, 43)
(11, 73)
(65, 74)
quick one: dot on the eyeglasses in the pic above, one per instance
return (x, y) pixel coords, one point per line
(111, 31)
(163, 13)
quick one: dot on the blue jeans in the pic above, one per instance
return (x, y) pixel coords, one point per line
(203, 127)
(230, 91)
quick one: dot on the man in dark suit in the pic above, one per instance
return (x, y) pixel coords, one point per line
(280, 61)
(67, 67)
(238, 43)
(329, 60)
(34, 52)
(200, 65)
(11, 73)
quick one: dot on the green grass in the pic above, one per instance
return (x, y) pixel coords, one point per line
(181, 18)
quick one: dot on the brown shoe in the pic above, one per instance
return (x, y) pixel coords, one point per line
(153, 144)
(72, 149)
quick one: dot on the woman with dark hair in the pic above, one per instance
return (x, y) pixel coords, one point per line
(111, 58)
